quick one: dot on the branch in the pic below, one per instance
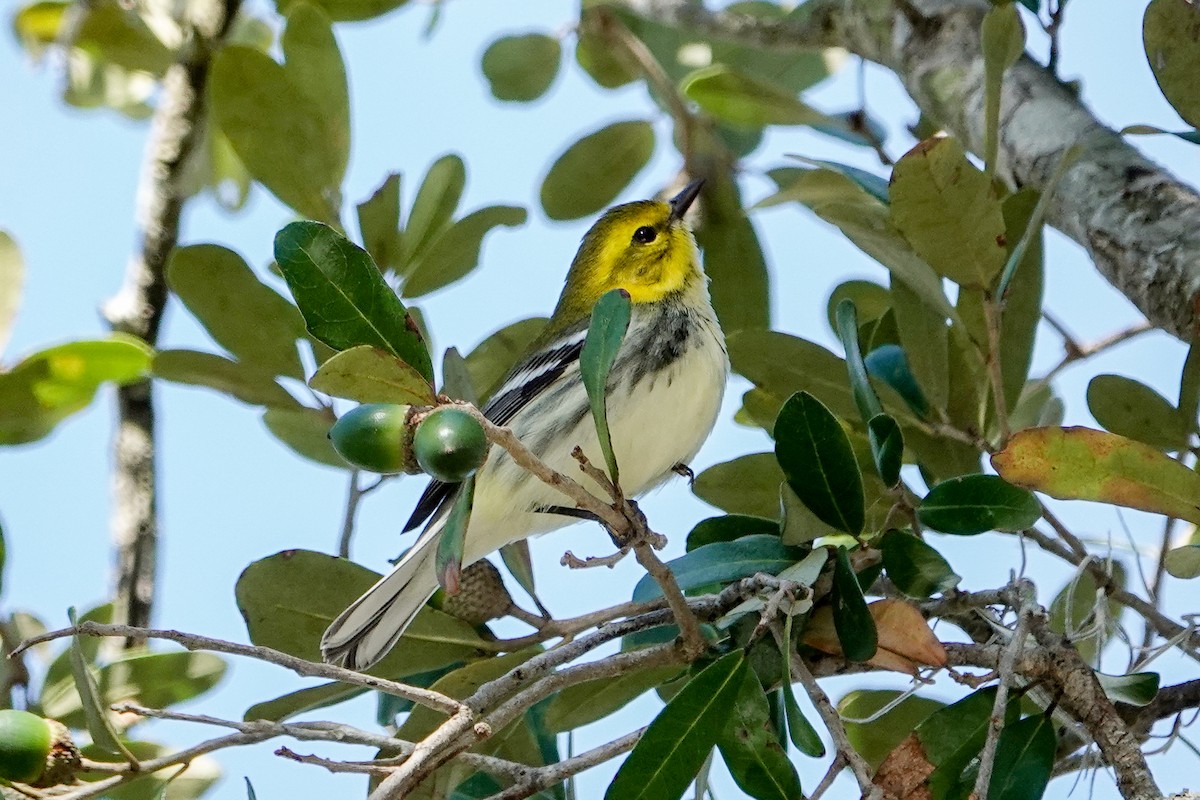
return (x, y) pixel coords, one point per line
(1138, 223)
(1005, 671)
(308, 669)
(137, 307)
(833, 721)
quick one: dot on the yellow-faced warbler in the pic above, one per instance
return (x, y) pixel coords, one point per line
(663, 394)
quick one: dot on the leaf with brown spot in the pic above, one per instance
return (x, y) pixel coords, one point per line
(1084, 464)
(904, 772)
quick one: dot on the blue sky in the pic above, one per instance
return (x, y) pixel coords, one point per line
(231, 494)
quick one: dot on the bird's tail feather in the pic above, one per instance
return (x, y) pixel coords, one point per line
(367, 630)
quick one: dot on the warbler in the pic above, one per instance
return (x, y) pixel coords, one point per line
(663, 394)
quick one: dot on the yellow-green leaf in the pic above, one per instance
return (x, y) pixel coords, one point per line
(1084, 464)
(945, 208)
(372, 375)
(594, 170)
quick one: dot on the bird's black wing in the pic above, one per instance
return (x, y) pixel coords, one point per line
(523, 384)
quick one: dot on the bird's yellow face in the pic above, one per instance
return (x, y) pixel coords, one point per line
(645, 248)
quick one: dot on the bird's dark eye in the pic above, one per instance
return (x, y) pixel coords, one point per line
(644, 234)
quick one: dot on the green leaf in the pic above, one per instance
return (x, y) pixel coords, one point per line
(305, 431)
(343, 296)
(1002, 40)
(887, 447)
(851, 619)
(314, 65)
(782, 364)
(460, 684)
(587, 702)
(379, 224)
(119, 36)
(670, 752)
(1084, 464)
(38, 25)
(818, 461)
(521, 68)
(606, 331)
(976, 503)
(241, 381)
(1173, 55)
(456, 380)
(288, 599)
(517, 559)
(594, 170)
(313, 698)
(434, 205)
(1032, 229)
(733, 257)
(241, 313)
(728, 528)
(1136, 689)
(752, 751)
(866, 222)
(722, 562)
(99, 726)
(914, 566)
(492, 358)
(1184, 562)
(945, 208)
(346, 10)
(889, 363)
(452, 540)
(925, 339)
(741, 99)
(168, 784)
(874, 185)
(871, 301)
(156, 680)
(1129, 408)
(747, 485)
(846, 319)
(371, 375)
(797, 524)
(953, 735)
(1024, 759)
(456, 251)
(875, 739)
(1083, 611)
(259, 108)
(801, 732)
(1189, 386)
(1022, 309)
(12, 279)
(48, 386)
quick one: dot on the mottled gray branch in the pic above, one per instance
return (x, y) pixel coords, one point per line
(137, 308)
(1139, 224)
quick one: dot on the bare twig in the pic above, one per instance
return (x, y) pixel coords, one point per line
(987, 759)
(544, 777)
(426, 697)
(825, 707)
(137, 307)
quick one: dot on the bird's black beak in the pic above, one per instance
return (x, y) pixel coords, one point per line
(682, 201)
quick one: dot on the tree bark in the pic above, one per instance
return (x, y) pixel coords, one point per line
(137, 308)
(1138, 223)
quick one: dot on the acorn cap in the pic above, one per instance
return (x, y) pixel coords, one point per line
(63, 760)
(481, 595)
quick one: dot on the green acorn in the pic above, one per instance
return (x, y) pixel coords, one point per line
(36, 751)
(450, 444)
(376, 437)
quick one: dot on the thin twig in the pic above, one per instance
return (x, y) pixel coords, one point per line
(553, 774)
(858, 765)
(1008, 660)
(353, 495)
(309, 669)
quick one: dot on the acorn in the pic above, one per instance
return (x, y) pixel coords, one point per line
(36, 751)
(450, 444)
(376, 437)
(481, 594)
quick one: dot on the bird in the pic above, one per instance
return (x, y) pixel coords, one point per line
(663, 393)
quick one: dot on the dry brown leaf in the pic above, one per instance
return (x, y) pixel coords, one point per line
(905, 639)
